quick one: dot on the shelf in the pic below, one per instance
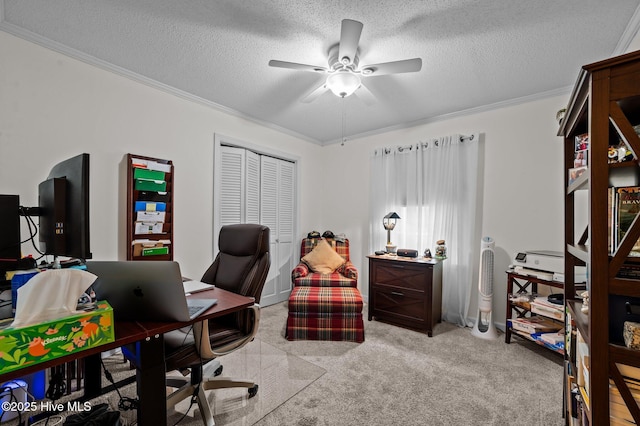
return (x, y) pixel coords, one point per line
(149, 166)
(580, 318)
(625, 287)
(538, 342)
(623, 355)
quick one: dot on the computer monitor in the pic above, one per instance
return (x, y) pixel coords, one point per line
(63, 201)
(9, 228)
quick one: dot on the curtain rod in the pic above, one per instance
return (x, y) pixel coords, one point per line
(410, 147)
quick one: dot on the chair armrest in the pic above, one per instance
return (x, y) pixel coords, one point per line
(302, 270)
(201, 336)
(350, 271)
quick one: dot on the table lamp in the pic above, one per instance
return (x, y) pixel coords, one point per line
(389, 222)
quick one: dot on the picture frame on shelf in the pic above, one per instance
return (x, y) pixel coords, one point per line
(575, 173)
(582, 142)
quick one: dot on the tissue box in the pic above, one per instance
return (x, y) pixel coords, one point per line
(37, 343)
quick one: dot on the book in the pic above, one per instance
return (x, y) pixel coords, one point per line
(534, 325)
(540, 305)
(628, 206)
(553, 338)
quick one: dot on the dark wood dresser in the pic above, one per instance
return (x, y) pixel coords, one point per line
(406, 291)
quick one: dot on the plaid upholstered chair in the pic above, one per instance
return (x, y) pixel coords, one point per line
(325, 303)
(345, 276)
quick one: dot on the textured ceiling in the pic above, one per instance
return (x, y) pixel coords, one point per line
(475, 53)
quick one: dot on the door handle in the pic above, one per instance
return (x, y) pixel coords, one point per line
(397, 293)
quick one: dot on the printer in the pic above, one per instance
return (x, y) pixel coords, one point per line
(545, 265)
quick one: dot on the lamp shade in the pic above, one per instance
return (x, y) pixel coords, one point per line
(343, 83)
(392, 215)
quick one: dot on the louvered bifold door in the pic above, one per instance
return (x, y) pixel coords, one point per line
(232, 185)
(277, 212)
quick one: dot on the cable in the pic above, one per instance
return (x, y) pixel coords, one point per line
(32, 232)
(196, 390)
(125, 403)
(57, 387)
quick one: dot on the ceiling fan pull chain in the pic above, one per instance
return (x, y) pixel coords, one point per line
(344, 126)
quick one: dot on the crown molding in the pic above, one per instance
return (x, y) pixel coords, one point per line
(629, 34)
(462, 113)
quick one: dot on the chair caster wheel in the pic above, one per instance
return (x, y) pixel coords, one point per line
(218, 371)
(253, 391)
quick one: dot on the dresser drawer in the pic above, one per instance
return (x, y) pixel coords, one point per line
(401, 275)
(407, 307)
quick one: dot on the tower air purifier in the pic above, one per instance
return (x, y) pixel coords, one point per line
(484, 327)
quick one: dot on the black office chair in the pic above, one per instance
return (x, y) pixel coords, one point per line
(241, 266)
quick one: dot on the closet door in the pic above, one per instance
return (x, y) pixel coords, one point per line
(277, 212)
(239, 186)
(232, 184)
(252, 188)
(257, 188)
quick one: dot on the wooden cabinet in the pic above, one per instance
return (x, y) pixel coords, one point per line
(149, 208)
(406, 291)
(605, 105)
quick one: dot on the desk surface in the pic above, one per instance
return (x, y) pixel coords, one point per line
(127, 332)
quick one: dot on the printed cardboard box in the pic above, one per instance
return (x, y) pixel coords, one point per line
(34, 344)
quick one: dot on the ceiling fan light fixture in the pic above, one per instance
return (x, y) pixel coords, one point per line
(343, 83)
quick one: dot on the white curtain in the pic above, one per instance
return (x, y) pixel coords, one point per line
(433, 187)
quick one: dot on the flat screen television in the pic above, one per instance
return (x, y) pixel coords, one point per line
(63, 201)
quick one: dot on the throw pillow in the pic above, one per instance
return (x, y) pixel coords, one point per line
(323, 258)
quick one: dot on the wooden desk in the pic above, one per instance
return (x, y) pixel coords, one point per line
(145, 342)
(406, 291)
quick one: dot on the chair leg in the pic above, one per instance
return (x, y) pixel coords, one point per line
(186, 388)
(227, 383)
(205, 410)
(179, 395)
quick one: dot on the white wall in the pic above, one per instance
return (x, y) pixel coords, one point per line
(53, 107)
(522, 194)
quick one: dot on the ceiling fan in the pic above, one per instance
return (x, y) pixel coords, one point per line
(344, 75)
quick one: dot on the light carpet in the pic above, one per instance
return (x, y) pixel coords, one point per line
(402, 377)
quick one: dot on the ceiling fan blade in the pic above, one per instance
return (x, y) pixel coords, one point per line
(295, 66)
(349, 39)
(396, 67)
(365, 94)
(315, 94)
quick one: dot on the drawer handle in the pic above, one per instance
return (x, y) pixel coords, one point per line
(397, 293)
(397, 266)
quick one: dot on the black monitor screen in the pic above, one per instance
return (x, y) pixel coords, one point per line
(9, 227)
(64, 209)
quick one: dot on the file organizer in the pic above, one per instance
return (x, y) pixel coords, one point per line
(149, 208)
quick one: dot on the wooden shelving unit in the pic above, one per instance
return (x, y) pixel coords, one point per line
(605, 103)
(150, 183)
(527, 286)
